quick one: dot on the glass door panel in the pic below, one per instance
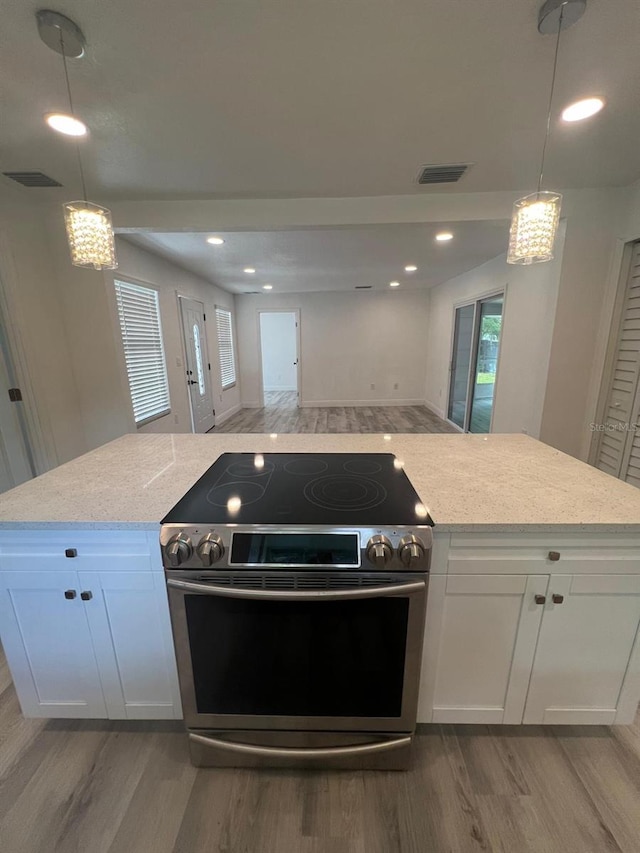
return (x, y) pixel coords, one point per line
(486, 363)
(460, 365)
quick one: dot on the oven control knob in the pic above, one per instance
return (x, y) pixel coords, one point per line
(210, 549)
(178, 549)
(411, 551)
(379, 551)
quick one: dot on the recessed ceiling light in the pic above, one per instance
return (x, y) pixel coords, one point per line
(249, 270)
(394, 284)
(443, 236)
(410, 268)
(215, 241)
(267, 287)
(66, 124)
(582, 109)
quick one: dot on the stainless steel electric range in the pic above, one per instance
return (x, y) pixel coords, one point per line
(297, 588)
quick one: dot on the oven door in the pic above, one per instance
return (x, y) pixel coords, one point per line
(313, 659)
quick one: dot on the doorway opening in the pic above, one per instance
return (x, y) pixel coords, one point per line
(474, 363)
(197, 364)
(280, 358)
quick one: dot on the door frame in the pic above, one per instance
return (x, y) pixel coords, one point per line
(185, 360)
(484, 297)
(295, 311)
(34, 424)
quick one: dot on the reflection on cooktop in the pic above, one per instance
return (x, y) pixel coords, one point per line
(302, 489)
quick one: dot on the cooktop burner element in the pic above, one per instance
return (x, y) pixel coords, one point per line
(302, 489)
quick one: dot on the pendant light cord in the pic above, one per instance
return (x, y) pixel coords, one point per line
(66, 77)
(553, 84)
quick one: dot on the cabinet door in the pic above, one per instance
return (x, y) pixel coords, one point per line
(587, 660)
(487, 642)
(129, 620)
(48, 645)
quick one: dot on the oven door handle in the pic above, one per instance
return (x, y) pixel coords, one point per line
(302, 752)
(297, 595)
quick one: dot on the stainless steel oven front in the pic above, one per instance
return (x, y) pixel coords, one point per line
(296, 651)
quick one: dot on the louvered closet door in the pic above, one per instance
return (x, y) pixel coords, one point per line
(616, 452)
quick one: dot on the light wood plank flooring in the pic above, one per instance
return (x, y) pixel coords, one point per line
(100, 787)
(281, 415)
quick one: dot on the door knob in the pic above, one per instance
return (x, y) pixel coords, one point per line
(554, 556)
(540, 599)
(556, 598)
(86, 596)
(70, 594)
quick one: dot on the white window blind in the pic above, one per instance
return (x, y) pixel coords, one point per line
(139, 313)
(225, 347)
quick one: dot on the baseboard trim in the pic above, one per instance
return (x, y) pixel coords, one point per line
(323, 404)
(252, 405)
(228, 413)
(435, 409)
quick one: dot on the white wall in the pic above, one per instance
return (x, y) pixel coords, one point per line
(278, 344)
(527, 329)
(137, 265)
(348, 342)
(34, 317)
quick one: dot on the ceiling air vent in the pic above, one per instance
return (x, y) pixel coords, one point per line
(442, 174)
(364, 286)
(32, 179)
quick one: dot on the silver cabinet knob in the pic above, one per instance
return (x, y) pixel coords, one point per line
(210, 549)
(379, 551)
(178, 549)
(411, 551)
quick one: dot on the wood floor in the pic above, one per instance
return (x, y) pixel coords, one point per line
(100, 787)
(281, 414)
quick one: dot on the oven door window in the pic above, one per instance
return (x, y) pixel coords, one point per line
(292, 658)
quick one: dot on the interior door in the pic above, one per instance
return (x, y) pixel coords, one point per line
(587, 638)
(46, 637)
(197, 365)
(616, 453)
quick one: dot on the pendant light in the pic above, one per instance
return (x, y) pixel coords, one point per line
(88, 226)
(535, 217)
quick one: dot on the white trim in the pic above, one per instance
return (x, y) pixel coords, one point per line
(320, 404)
(221, 417)
(435, 409)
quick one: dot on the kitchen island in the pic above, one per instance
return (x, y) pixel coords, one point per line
(534, 595)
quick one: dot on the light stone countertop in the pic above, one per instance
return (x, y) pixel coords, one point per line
(472, 483)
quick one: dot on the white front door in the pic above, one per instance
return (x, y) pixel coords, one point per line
(197, 365)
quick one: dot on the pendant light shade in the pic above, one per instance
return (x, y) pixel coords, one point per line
(90, 235)
(89, 229)
(534, 224)
(535, 217)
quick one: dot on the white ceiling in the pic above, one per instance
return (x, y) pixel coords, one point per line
(333, 258)
(311, 98)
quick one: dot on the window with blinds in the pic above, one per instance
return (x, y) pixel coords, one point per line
(225, 347)
(139, 314)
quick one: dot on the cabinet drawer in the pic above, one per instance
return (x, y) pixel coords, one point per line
(78, 550)
(543, 554)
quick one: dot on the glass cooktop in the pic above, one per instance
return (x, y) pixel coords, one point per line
(338, 489)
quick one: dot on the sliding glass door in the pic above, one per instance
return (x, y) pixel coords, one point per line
(474, 362)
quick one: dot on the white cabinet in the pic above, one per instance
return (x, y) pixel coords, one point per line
(588, 637)
(487, 641)
(512, 638)
(89, 635)
(46, 637)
